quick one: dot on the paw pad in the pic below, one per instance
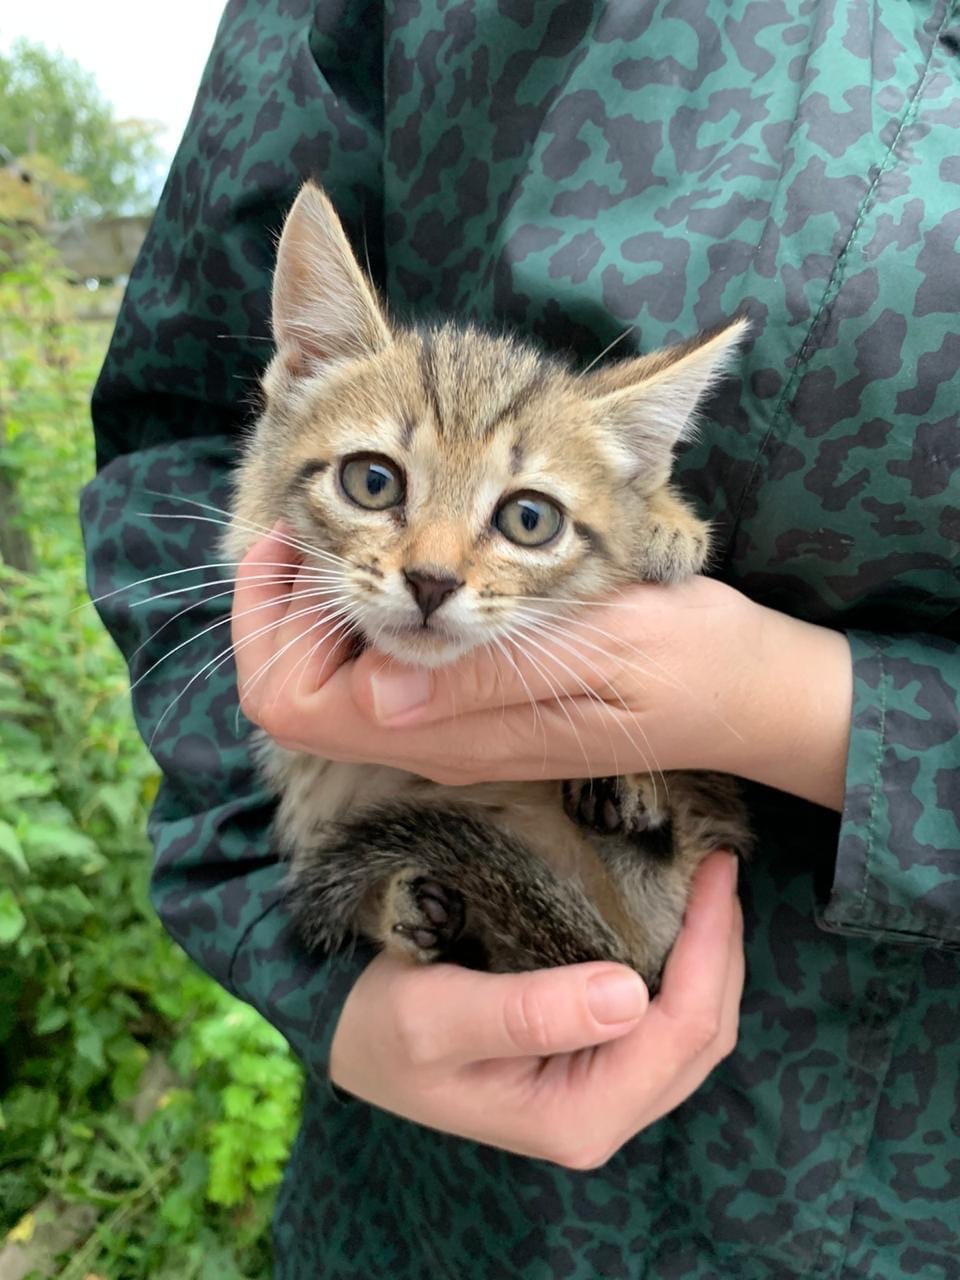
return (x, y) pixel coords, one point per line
(436, 915)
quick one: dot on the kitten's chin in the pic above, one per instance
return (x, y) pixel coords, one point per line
(421, 647)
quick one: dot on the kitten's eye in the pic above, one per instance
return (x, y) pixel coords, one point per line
(371, 480)
(529, 519)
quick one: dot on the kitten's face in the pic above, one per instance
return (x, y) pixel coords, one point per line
(459, 487)
(456, 476)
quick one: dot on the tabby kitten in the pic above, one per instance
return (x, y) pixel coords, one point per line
(454, 481)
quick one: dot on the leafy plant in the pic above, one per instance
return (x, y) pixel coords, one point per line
(96, 1005)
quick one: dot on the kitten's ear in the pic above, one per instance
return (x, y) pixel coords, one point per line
(649, 404)
(323, 306)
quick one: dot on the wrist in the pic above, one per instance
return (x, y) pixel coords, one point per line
(792, 708)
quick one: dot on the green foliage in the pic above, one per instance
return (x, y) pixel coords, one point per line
(54, 120)
(129, 1082)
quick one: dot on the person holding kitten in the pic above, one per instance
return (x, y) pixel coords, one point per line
(587, 173)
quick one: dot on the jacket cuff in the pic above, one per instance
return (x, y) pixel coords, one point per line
(897, 873)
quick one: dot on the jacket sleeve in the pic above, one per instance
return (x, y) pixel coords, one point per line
(897, 872)
(283, 97)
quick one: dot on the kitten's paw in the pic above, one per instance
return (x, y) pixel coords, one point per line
(624, 806)
(594, 803)
(422, 917)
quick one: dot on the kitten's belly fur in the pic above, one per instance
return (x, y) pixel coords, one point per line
(537, 889)
(315, 792)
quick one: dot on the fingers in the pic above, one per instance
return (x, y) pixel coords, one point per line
(288, 633)
(462, 1051)
(531, 1062)
(259, 603)
(477, 1016)
(564, 660)
(695, 976)
(726, 1023)
(689, 1027)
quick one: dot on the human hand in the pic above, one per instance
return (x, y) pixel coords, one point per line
(523, 1061)
(689, 676)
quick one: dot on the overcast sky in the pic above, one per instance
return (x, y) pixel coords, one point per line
(147, 58)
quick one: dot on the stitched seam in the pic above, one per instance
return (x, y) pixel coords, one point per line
(834, 284)
(943, 940)
(877, 779)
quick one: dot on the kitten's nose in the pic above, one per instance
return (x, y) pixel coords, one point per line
(430, 589)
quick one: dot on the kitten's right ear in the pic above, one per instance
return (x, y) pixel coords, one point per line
(324, 308)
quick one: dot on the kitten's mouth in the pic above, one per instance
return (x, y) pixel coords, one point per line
(421, 644)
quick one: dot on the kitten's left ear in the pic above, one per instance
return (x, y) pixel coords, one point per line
(649, 404)
(324, 308)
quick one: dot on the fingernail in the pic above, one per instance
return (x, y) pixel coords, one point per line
(396, 692)
(617, 997)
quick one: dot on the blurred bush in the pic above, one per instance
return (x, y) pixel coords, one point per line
(129, 1082)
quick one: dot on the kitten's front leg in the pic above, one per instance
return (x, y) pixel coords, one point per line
(444, 883)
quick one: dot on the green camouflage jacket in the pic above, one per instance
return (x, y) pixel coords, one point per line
(572, 167)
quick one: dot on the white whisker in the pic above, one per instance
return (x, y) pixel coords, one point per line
(538, 718)
(264, 668)
(560, 635)
(255, 677)
(194, 568)
(346, 623)
(194, 604)
(591, 694)
(303, 548)
(274, 600)
(352, 626)
(667, 677)
(560, 621)
(560, 701)
(609, 347)
(232, 582)
(579, 604)
(209, 668)
(249, 525)
(632, 715)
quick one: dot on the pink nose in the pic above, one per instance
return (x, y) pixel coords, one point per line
(430, 589)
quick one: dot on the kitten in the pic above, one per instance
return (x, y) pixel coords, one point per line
(460, 480)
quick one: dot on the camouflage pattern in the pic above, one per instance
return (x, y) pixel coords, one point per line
(573, 168)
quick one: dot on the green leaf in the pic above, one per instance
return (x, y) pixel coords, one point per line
(239, 1102)
(12, 849)
(25, 787)
(60, 840)
(88, 1043)
(51, 1020)
(12, 920)
(120, 800)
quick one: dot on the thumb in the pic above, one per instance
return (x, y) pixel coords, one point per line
(479, 1016)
